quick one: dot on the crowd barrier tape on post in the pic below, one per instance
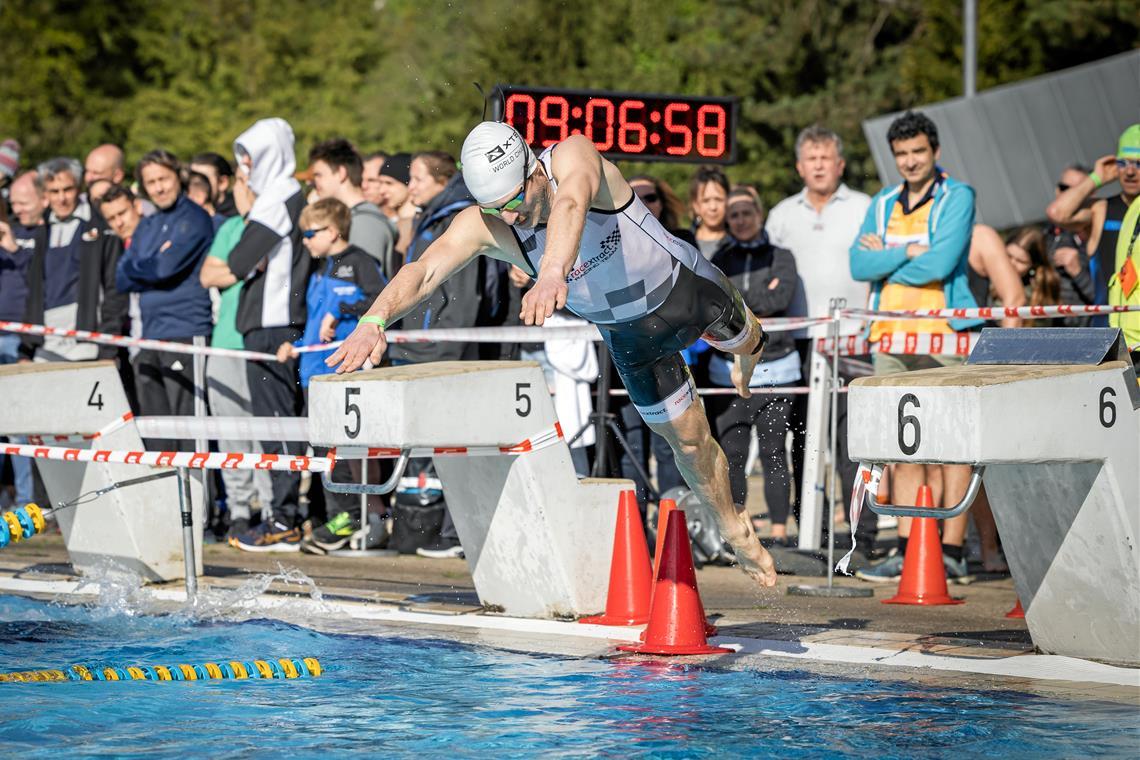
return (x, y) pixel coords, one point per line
(535, 334)
(957, 344)
(112, 427)
(520, 334)
(994, 312)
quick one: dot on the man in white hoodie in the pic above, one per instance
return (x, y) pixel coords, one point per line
(274, 267)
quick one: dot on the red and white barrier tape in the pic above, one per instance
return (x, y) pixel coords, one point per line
(767, 390)
(523, 334)
(535, 443)
(204, 460)
(520, 334)
(198, 460)
(39, 440)
(995, 312)
(957, 344)
(126, 341)
(534, 334)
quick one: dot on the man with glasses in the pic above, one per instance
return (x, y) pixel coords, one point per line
(1103, 215)
(571, 221)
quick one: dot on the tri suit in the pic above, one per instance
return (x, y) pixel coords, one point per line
(651, 295)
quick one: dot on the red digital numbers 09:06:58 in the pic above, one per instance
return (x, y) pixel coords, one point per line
(670, 128)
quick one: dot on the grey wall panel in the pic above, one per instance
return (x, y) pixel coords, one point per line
(1011, 142)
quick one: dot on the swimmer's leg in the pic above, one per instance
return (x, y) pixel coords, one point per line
(704, 467)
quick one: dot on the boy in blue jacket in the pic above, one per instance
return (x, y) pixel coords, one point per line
(340, 290)
(913, 249)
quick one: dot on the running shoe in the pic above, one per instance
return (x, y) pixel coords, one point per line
(956, 570)
(888, 570)
(237, 529)
(441, 548)
(333, 535)
(270, 536)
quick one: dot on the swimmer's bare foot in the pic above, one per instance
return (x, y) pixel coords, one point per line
(753, 558)
(756, 562)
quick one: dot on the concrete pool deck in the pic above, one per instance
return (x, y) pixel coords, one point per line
(971, 645)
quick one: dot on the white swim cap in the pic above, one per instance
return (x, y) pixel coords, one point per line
(493, 159)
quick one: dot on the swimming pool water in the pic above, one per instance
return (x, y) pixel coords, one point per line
(399, 697)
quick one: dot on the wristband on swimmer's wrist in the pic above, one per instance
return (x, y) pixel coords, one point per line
(1097, 181)
(378, 321)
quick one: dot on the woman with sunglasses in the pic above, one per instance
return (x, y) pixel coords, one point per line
(570, 220)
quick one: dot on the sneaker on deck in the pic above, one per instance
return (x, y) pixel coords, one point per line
(333, 535)
(237, 529)
(441, 548)
(956, 570)
(270, 536)
(890, 569)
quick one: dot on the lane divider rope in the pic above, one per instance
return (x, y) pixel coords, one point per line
(234, 670)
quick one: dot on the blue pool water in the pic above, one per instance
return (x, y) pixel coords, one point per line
(402, 697)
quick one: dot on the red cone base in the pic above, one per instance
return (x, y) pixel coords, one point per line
(676, 622)
(923, 579)
(631, 585)
(663, 509)
(1017, 612)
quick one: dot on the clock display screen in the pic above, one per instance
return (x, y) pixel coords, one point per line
(623, 125)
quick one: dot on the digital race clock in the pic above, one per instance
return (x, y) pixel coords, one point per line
(630, 125)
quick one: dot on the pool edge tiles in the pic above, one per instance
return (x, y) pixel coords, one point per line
(1065, 676)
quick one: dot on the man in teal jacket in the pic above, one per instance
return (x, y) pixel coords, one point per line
(913, 249)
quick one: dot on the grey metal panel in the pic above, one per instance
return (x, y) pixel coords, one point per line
(1045, 345)
(1011, 142)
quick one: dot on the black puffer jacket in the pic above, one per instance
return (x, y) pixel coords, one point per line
(753, 267)
(455, 303)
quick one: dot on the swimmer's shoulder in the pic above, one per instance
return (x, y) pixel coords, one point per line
(576, 153)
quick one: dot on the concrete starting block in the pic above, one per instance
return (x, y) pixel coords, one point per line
(537, 539)
(136, 527)
(1058, 436)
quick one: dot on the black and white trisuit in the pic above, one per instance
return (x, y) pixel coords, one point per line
(650, 294)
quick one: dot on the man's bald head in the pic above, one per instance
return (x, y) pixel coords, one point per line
(28, 199)
(104, 162)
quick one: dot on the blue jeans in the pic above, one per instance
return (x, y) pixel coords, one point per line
(21, 466)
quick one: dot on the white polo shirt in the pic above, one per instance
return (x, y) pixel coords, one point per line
(820, 243)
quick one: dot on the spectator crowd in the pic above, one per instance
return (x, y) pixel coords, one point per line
(253, 252)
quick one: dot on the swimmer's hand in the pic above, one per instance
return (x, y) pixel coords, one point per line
(367, 342)
(549, 293)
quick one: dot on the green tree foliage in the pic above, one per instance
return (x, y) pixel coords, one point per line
(397, 74)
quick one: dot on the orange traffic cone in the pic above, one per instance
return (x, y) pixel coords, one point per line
(676, 623)
(627, 601)
(1017, 612)
(924, 576)
(664, 507)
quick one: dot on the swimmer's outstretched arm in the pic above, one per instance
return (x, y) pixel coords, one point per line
(466, 238)
(577, 167)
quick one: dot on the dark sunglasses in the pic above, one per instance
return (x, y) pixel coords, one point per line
(1062, 187)
(650, 198)
(1127, 163)
(310, 234)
